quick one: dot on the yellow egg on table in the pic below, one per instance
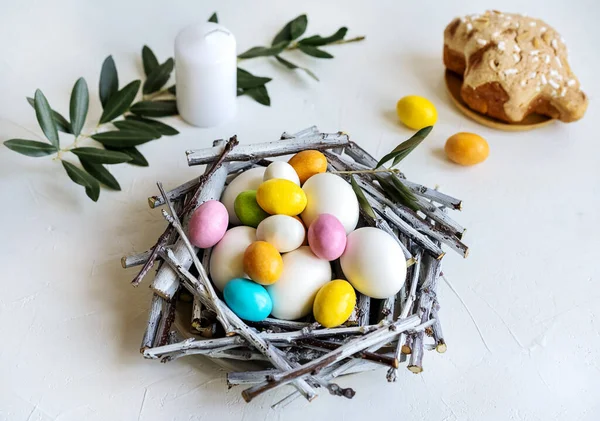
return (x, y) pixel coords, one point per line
(308, 163)
(334, 303)
(467, 148)
(263, 263)
(281, 197)
(416, 112)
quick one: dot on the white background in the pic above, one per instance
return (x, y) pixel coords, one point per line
(70, 323)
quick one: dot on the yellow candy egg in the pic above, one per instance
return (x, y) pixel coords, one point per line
(334, 303)
(263, 263)
(416, 112)
(281, 197)
(467, 148)
(308, 163)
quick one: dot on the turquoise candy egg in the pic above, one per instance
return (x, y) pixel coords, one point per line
(247, 209)
(249, 300)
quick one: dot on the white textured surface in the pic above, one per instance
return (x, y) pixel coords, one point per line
(70, 323)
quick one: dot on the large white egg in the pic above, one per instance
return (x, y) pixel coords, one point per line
(329, 193)
(280, 169)
(373, 263)
(286, 233)
(248, 180)
(227, 258)
(303, 275)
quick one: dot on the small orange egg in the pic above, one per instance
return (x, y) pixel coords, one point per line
(308, 163)
(263, 263)
(467, 148)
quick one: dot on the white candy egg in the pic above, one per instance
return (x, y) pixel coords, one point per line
(227, 258)
(280, 169)
(286, 233)
(303, 275)
(248, 180)
(373, 263)
(329, 193)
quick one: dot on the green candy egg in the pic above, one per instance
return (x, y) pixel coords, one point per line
(247, 209)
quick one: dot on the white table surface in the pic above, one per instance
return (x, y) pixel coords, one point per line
(528, 346)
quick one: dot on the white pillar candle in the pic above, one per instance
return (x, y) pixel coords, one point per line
(206, 74)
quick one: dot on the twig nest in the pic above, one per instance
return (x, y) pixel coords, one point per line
(248, 180)
(227, 258)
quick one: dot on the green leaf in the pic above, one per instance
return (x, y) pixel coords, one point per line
(291, 65)
(160, 108)
(62, 125)
(247, 80)
(214, 18)
(137, 126)
(30, 147)
(402, 150)
(158, 77)
(292, 30)
(264, 51)
(136, 156)
(362, 200)
(100, 156)
(43, 112)
(398, 192)
(79, 176)
(120, 102)
(314, 51)
(109, 80)
(123, 138)
(172, 90)
(149, 60)
(259, 94)
(318, 40)
(159, 126)
(100, 173)
(78, 109)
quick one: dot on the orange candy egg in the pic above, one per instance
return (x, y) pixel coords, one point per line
(263, 263)
(467, 148)
(308, 163)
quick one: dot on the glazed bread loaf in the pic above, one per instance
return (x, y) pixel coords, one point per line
(512, 66)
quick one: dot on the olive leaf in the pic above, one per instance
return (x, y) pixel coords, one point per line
(362, 200)
(78, 109)
(136, 156)
(247, 80)
(398, 192)
(259, 94)
(109, 80)
(159, 126)
(120, 102)
(291, 65)
(160, 108)
(44, 116)
(149, 60)
(79, 176)
(139, 126)
(292, 30)
(123, 138)
(30, 147)
(100, 173)
(62, 125)
(264, 51)
(158, 77)
(314, 51)
(214, 18)
(172, 90)
(100, 156)
(318, 40)
(402, 150)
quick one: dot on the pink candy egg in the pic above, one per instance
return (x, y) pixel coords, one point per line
(208, 224)
(327, 237)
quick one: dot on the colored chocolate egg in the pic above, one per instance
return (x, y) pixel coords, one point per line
(303, 275)
(247, 209)
(248, 180)
(373, 263)
(329, 193)
(227, 258)
(334, 303)
(308, 163)
(467, 148)
(263, 263)
(327, 237)
(247, 299)
(208, 224)
(281, 197)
(285, 232)
(283, 170)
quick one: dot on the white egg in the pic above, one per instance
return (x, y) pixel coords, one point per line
(280, 169)
(227, 258)
(284, 232)
(373, 263)
(303, 275)
(248, 180)
(329, 193)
